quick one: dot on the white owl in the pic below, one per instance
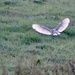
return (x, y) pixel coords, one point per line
(56, 31)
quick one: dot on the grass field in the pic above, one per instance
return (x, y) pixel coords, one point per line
(19, 41)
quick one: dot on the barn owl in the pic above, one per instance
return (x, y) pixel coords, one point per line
(56, 31)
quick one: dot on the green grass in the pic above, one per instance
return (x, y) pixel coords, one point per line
(19, 40)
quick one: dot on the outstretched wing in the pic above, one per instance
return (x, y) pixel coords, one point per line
(42, 29)
(63, 25)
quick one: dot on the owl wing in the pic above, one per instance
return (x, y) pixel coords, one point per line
(63, 25)
(42, 29)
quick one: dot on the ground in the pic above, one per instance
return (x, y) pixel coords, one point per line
(19, 40)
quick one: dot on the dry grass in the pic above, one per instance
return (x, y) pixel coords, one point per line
(35, 69)
(4, 71)
(17, 68)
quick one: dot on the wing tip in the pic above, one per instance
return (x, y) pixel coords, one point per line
(66, 20)
(34, 26)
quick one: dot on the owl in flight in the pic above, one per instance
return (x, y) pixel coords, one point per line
(56, 31)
